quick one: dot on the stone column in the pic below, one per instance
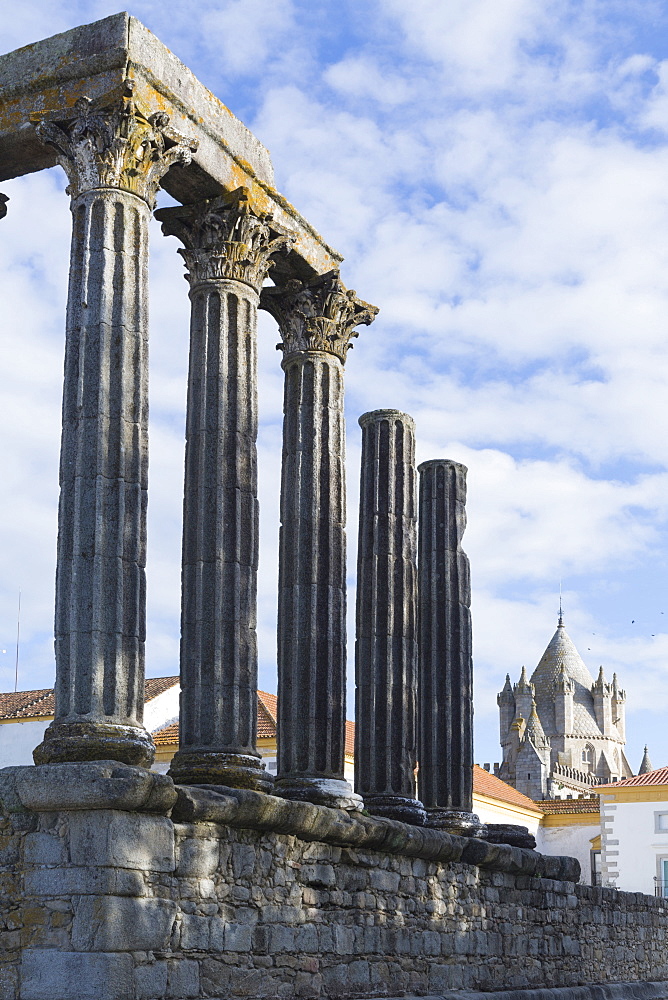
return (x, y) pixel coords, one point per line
(386, 647)
(114, 158)
(445, 679)
(317, 321)
(228, 250)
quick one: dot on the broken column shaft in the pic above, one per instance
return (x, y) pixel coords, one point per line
(445, 680)
(316, 321)
(114, 159)
(386, 647)
(227, 251)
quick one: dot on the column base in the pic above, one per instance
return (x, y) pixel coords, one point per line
(81, 741)
(333, 792)
(458, 822)
(220, 767)
(397, 807)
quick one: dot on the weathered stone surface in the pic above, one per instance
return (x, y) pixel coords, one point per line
(228, 252)
(117, 923)
(243, 809)
(96, 785)
(445, 778)
(44, 79)
(115, 157)
(386, 646)
(316, 322)
(78, 976)
(124, 840)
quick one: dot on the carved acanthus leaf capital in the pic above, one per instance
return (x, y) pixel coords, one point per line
(117, 147)
(318, 315)
(3, 205)
(225, 238)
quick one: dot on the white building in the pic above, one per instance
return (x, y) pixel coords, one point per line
(634, 833)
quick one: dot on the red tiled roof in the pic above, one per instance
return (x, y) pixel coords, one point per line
(157, 685)
(26, 704)
(267, 707)
(657, 777)
(564, 807)
(485, 783)
(167, 735)
(41, 703)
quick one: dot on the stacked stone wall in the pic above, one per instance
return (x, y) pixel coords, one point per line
(131, 905)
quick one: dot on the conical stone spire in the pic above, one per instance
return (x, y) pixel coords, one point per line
(646, 765)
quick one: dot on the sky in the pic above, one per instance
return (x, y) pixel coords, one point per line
(495, 174)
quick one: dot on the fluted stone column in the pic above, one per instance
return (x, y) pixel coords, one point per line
(316, 321)
(114, 158)
(386, 647)
(228, 250)
(445, 681)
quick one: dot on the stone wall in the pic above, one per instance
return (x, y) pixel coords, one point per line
(123, 904)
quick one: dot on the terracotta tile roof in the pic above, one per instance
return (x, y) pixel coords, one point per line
(156, 685)
(657, 777)
(563, 807)
(485, 783)
(267, 707)
(41, 703)
(26, 704)
(167, 736)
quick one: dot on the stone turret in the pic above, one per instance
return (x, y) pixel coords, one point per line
(564, 694)
(506, 702)
(618, 708)
(524, 695)
(602, 692)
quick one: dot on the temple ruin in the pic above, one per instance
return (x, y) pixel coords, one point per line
(219, 880)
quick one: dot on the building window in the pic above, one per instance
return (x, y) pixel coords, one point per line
(661, 822)
(588, 755)
(661, 880)
(595, 867)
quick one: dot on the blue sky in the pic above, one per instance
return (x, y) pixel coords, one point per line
(494, 172)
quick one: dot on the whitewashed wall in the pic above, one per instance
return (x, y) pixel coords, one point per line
(572, 841)
(18, 740)
(488, 812)
(631, 844)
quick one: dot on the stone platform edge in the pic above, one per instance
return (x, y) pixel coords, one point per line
(110, 785)
(594, 991)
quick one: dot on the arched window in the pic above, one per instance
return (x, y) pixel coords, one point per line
(588, 755)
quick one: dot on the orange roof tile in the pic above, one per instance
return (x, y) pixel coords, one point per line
(41, 703)
(26, 704)
(267, 707)
(153, 686)
(485, 783)
(564, 807)
(657, 777)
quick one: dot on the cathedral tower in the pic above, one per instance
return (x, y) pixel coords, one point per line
(562, 732)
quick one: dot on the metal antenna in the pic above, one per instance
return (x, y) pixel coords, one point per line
(18, 639)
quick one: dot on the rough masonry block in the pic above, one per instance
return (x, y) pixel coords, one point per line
(123, 840)
(79, 976)
(117, 923)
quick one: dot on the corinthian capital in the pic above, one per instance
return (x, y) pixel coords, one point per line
(3, 205)
(225, 238)
(116, 147)
(318, 315)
